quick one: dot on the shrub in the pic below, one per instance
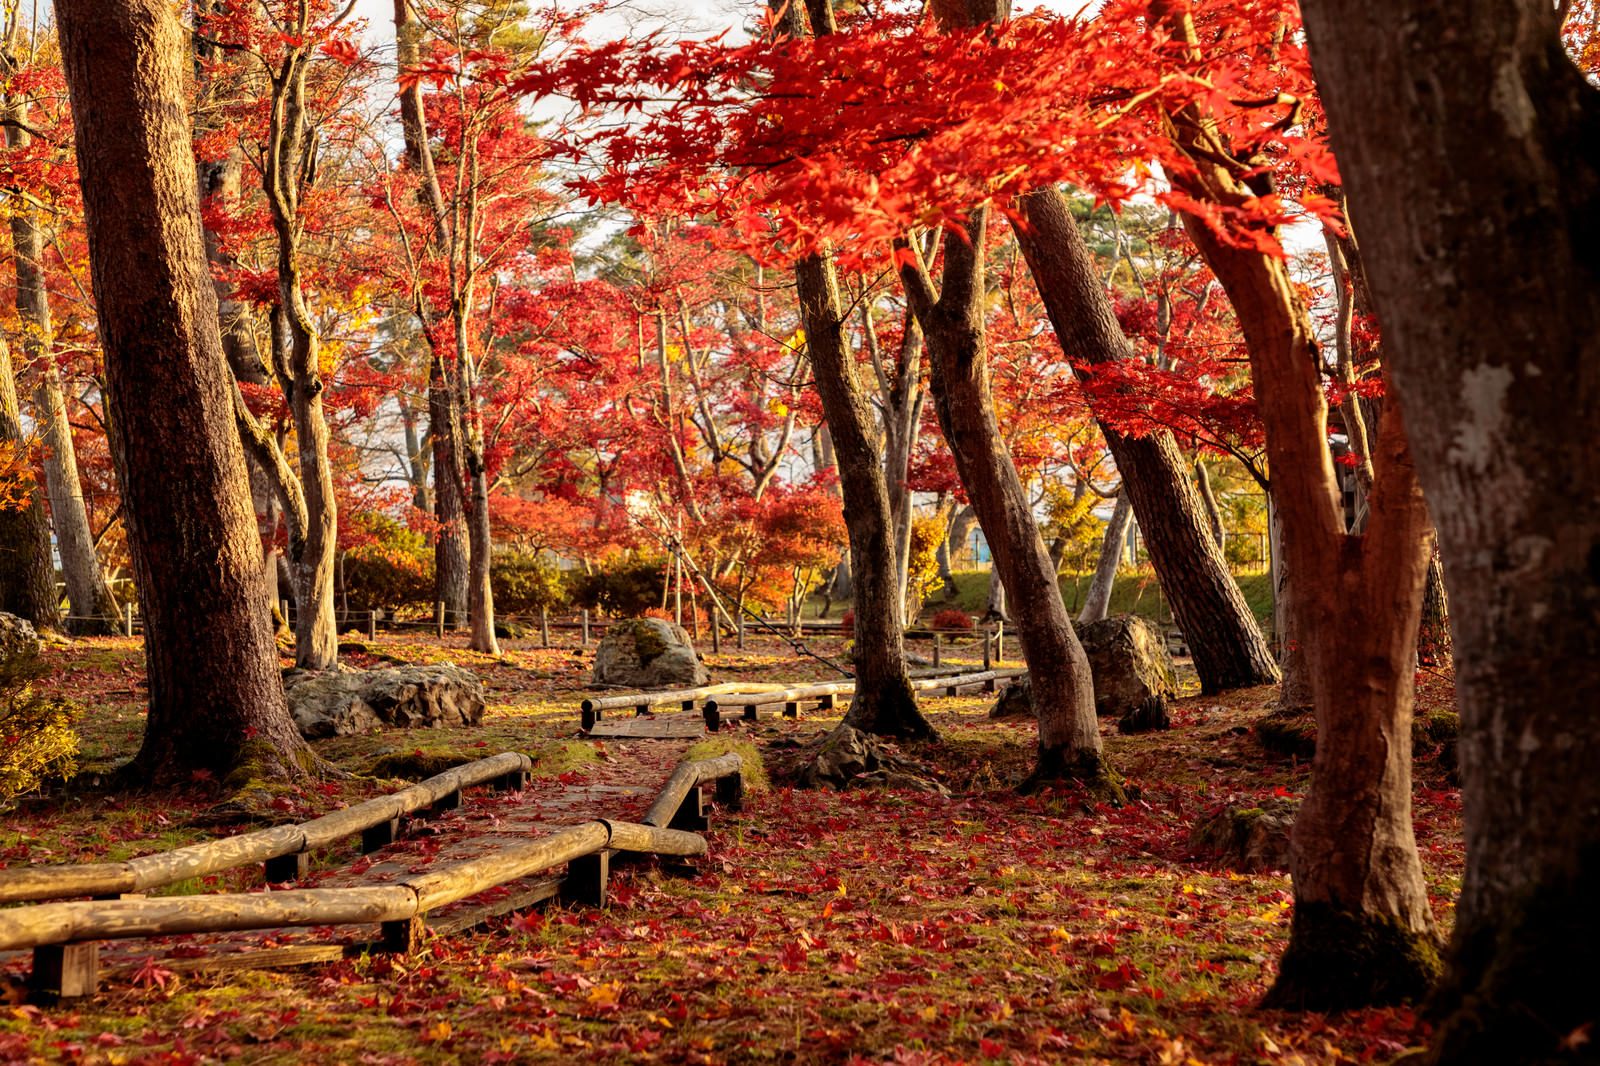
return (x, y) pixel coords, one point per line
(953, 619)
(523, 584)
(37, 739)
(627, 587)
(395, 570)
(847, 624)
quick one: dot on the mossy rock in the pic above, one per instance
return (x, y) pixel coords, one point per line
(1247, 837)
(1290, 732)
(509, 630)
(648, 653)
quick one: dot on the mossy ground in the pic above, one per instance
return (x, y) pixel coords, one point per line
(988, 928)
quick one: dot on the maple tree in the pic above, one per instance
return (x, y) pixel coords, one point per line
(1490, 337)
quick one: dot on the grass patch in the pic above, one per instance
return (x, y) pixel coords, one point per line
(755, 769)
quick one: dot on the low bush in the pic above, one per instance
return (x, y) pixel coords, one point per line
(37, 738)
(953, 620)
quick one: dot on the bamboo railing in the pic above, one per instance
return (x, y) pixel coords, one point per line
(746, 704)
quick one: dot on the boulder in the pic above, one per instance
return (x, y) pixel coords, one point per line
(1015, 700)
(1247, 837)
(1130, 663)
(901, 782)
(340, 703)
(18, 638)
(648, 653)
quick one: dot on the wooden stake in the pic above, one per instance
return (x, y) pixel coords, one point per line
(988, 649)
(791, 710)
(713, 716)
(938, 647)
(66, 971)
(403, 937)
(741, 631)
(691, 813)
(544, 627)
(127, 624)
(281, 868)
(587, 876)
(730, 792)
(586, 627)
(438, 619)
(379, 836)
(372, 624)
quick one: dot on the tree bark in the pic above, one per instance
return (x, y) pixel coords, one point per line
(955, 538)
(1363, 930)
(884, 702)
(216, 702)
(953, 323)
(27, 573)
(1228, 648)
(1098, 599)
(1473, 174)
(93, 610)
(1202, 481)
(1294, 692)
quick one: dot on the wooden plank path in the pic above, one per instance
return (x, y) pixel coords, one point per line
(621, 787)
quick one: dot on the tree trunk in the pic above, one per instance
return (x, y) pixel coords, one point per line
(1363, 930)
(953, 322)
(1098, 599)
(216, 701)
(1228, 649)
(480, 546)
(1433, 640)
(955, 538)
(994, 601)
(1473, 174)
(1219, 533)
(883, 702)
(27, 573)
(1294, 692)
(93, 610)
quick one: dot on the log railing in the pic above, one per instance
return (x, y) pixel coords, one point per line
(747, 704)
(64, 936)
(285, 849)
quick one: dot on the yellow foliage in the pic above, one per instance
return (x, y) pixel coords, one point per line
(37, 738)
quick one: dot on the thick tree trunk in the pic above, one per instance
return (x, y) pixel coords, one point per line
(1473, 174)
(1363, 930)
(216, 702)
(27, 573)
(1228, 648)
(1063, 691)
(1219, 532)
(883, 703)
(93, 611)
(1098, 599)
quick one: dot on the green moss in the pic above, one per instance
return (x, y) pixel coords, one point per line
(1342, 960)
(755, 770)
(561, 756)
(415, 765)
(1435, 727)
(1514, 991)
(647, 643)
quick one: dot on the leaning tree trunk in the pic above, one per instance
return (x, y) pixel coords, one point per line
(1227, 645)
(1363, 930)
(93, 609)
(1098, 599)
(216, 701)
(1063, 691)
(1473, 174)
(480, 544)
(884, 702)
(27, 573)
(1294, 693)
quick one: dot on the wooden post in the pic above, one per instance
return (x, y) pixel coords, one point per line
(999, 642)
(791, 709)
(938, 647)
(515, 781)
(712, 716)
(590, 717)
(292, 867)
(544, 627)
(283, 607)
(447, 802)
(438, 619)
(127, 622)
(825, 703)
(586, 627)
(66, 971)
(741, 631)
(372, 624)
(403, 937)
(730, 792)
(988, 649)
(586, 880)
(749, 712)
(716, 636)
(691, 813)
(379, 836)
